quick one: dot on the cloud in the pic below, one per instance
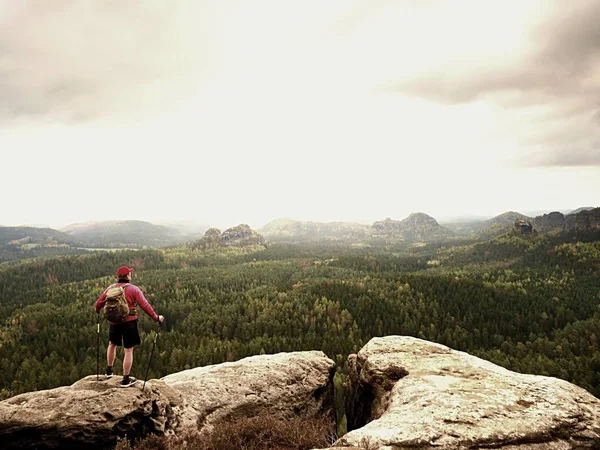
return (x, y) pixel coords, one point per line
(531, 68)
(66, 60)
(579, 154)
(563, 64)
(555, 81)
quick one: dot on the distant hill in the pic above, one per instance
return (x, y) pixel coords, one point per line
(553, 221)
(299, 231)
(507, 218)
(586, 222)
(580, 222)
(502, 223)
(461, 219)
(32, 235)
(416, 227)
(190, 228)
(583, 208)
(29, 242)
(488, 229)
(542, 212)
(125, 234)
(583, 221)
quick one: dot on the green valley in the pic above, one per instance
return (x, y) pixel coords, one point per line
(526, 302)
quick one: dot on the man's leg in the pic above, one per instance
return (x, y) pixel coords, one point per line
(131, 338)
(127, 361)
(115, 339)
(111, 353)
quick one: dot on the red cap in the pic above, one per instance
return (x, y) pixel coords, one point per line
(123, 271)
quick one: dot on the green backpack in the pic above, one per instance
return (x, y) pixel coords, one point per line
(116, 308)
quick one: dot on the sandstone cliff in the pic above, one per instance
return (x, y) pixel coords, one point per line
(240, 236)
(416, 227)
(409, 393)
(91, 414)
(585, 221)
(286, 385)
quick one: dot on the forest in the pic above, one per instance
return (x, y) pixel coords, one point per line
(526, 302)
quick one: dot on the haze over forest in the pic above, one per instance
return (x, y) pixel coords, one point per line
(243, 112)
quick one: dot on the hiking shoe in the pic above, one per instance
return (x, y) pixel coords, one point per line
(127, 381)
(109, 372)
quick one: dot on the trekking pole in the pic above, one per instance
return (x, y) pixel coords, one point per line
(151, 353)
(98, 351)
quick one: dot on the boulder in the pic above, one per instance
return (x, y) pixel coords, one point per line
(284, 385)
(92, 414)
(89, 414)
(406, 392)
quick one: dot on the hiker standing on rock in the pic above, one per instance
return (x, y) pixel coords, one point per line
(118, 301)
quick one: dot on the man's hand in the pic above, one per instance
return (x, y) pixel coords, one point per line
(161, 319)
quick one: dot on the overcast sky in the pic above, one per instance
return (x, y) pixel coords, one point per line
(232, 112)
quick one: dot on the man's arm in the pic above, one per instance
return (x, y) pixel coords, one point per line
(141, 300)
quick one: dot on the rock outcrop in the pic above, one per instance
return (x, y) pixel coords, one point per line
(410, 393)
(297, 384)
(91, 414)
(416, 227)
(582, 222)
(587, 221)
(241, 236)
(88, 414)
(554, 221)
(523, 226)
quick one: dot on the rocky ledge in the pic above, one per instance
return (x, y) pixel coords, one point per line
(93, 412)
(88, 414)
(410, 393)
(284, 385)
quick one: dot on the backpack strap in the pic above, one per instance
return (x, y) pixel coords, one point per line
(132, 312)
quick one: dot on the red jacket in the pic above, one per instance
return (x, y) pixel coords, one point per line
(134, 297)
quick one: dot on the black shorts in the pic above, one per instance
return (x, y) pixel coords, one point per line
(125, 334)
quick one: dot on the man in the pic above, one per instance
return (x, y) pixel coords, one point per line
(126, 333)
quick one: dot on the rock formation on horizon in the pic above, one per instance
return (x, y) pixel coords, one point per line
(582, 221)
(239, 236)
(523, 226)
(416, 227)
